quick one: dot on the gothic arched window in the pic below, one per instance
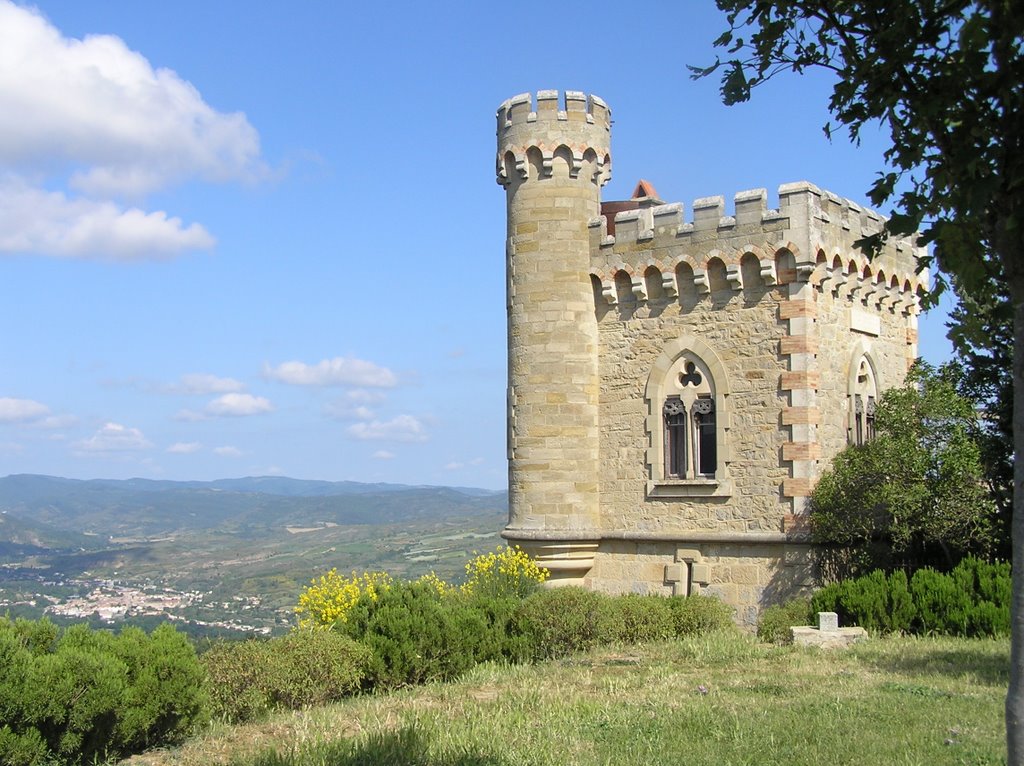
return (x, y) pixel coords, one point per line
(686, 426)
(863, 394)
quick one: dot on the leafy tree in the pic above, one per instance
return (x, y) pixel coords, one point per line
(981, 328)
(944, 76)
(912, 497)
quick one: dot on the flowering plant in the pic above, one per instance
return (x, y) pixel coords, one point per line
(330, 598)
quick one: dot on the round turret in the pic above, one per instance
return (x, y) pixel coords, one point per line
(552, 161)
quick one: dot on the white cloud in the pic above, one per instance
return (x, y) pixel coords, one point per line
(94, 116)
(454, 466)
(340, 371)
(184, 448)
(403, 428)
(57, 421)
(21, 410)
(202, 383)
(38, 221)
(114, 437)
(227, 451)
(347, 411)
(190, 416)
(237, 405)
(383, 454)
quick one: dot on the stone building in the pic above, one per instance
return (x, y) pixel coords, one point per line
(677, 383)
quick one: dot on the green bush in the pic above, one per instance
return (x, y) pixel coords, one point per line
(775, 621)
(560, 621)
(314, 667)
(247, 679)
(504, 638)
(634, 619)
(972, 600)
(89, 695)
(697, 615)
(237, 679)
(416, 635)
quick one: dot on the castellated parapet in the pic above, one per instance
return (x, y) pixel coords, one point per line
(678, 382)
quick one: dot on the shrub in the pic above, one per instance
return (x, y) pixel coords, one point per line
(972, 600)
(560, 621)
(775, 621)
(237, 679)
(415, 635)
(314, 667)
(634, 619)
(504, 639)
(90, 695)
(507, 571)
(328, 599)
(697, 615)
(247, 679)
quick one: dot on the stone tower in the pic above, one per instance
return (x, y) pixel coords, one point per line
(553, 158)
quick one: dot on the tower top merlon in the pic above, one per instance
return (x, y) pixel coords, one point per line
(550, 105)
(548, 121)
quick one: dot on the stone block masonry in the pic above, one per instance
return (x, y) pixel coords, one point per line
(677, 386)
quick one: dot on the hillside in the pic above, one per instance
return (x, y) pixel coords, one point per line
(234, 553)
(719, 699)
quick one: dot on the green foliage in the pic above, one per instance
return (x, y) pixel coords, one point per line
(415, 634)
(237, 680)
(247, 679)
(635, 619)
(89, 695)
(914, 496)
(972, 600)
(560, 621)
(775, 621)
(698, 615)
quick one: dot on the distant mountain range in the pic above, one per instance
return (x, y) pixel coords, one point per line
(53, 512)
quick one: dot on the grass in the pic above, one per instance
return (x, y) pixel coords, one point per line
(723, 699)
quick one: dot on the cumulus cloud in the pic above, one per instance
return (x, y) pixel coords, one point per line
(184, 448)
(38, 221)
(383, 454)
(113, 437)
(403, 428)
(227, 451)
(340, 371)
(21, 410)
(237, 405)
(94, 117)
(202, 383)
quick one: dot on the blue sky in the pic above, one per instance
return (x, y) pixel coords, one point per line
(265, 238)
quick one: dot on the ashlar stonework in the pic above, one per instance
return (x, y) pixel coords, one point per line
(677, 383)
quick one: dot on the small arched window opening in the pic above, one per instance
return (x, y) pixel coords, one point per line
(863, 393)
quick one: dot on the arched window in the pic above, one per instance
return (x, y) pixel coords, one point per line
(686, 397)
(863, 394)
(691, 450)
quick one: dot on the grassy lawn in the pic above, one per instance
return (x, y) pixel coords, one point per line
(722, 700)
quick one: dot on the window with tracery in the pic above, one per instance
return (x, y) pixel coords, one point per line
(862, 410)
(690, 436)
(687, 422)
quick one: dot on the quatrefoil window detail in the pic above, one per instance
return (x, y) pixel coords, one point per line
(691, 377)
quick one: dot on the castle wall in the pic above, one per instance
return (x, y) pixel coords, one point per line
(747, 338)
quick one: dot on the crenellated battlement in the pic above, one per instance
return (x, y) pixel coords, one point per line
(536, 134)
(550, 105)
(661, 236)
